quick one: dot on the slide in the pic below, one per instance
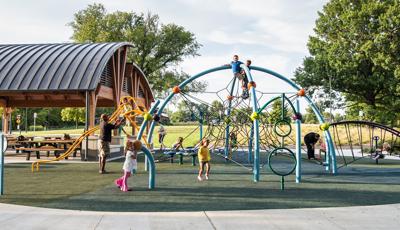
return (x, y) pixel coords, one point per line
(124, 109)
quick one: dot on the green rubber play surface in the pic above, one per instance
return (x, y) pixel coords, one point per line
(79, 186)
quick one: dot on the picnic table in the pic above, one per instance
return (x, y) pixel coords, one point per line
(56, 145)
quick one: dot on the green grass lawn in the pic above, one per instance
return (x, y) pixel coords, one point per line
(192, 138)
(79, 186)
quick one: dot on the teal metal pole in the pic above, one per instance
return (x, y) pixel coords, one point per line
(256, 163)
(2, 165)
(283, 117)
(201, 131)
(298, 143)
(250, 144)
(152, 168)
(141, 131)
(144, 124)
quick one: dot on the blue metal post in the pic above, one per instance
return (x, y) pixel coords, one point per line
(141, 131)
(283, 117)
(249, 157)
(201, 131)
(256, 163)
(298, 144)
(1, 165)
(152, 167)
(144, 124)
(201, 124)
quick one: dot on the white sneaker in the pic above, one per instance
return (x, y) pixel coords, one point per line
(199, 178)
(206, 177)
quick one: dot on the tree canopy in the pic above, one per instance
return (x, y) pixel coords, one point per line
(356, 45)
(73, 114)
(157, 48)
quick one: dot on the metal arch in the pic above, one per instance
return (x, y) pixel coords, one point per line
(331, 150)
(368, 123)
(152, 166)
(276, 98)
(328, 138)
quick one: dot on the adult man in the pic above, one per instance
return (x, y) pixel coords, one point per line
(105, 140)
(310, 139)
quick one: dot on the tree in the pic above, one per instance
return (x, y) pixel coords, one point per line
(73, 114)
(356, 46)
(310, 117)
(275, 114)
(369, 114)
(183, 113)
(216, 111)
(157, 48)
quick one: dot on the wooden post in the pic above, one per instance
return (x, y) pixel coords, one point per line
(92, 109)
(87, 120)
(6, 119)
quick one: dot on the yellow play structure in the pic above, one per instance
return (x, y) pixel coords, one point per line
(127, 108)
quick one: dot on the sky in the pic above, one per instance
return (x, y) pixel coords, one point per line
(272, 33)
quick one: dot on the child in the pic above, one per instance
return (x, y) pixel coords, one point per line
(204, 159)
(178, 145)
(127, 108)
(245, 82)
(232, 143)
(161, 135)
(130, 164)
(322, 148)
(385, 148)
(235, 64)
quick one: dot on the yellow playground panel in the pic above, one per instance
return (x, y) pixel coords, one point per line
(128, 108)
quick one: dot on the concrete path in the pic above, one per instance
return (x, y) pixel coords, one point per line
(385, 217)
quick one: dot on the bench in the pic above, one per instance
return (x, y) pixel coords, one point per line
(187, 152)
(28, 151)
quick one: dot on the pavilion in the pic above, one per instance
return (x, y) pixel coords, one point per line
(86, 75)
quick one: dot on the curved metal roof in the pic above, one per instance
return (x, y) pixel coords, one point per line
(42, 67)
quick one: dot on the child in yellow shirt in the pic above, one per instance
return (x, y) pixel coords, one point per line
(204, 159)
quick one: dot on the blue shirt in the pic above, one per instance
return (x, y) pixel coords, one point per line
(236, 66)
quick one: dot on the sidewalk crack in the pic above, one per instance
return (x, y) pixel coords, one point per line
(98, 223)
(209, 220)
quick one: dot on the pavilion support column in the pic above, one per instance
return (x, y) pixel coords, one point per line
(87, 121)
(6, 119)
(92, 109)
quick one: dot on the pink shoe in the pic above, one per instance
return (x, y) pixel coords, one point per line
(118, 182)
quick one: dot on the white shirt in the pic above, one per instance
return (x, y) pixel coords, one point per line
(129, 163)
(162, 130)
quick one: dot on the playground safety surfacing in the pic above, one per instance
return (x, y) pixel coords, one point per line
(80, 187)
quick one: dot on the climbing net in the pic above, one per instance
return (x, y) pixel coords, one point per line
(228, 121)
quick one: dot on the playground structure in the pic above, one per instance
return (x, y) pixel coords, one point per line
(248, 119)
(128, 108)
(364, 139)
